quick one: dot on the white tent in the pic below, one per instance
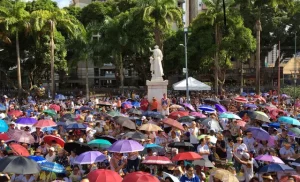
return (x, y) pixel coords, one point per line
(193, 85)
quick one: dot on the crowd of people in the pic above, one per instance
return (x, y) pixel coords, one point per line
(246, 138)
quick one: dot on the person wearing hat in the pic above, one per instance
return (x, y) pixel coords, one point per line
(51, 155)
(247, 165)
(267, 177)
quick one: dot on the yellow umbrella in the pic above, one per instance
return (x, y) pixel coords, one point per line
(223, 175)
(150, 127)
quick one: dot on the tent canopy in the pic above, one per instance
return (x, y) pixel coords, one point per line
(193, 85)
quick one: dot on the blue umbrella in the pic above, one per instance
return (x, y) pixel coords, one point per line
(136, 104)
(48, 129)
(206, 108)
(250, 105)
(274, 125)
(150, 113)
(242, 113)
(85, 108)
(38, 159)
(289, 120)
(3, 126)
(60, 97)
(76, 126)
(229, 116)
(220, 108)
(275, 168)
(244, 94)
(52, 167)
(259, 133)
(26, 121)
(2, 107)
(152, 145)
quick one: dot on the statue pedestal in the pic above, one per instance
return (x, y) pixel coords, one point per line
(156, 88)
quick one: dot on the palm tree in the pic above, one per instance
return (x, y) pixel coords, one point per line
(162, 13)
(15, 19)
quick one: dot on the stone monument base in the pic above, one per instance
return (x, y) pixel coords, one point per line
(156, 88)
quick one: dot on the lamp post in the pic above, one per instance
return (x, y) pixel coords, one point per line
(295, 74)
(186, 65)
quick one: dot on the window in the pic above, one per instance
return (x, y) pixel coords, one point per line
(96, 71)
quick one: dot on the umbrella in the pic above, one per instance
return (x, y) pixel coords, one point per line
(136, 104)
(240, 99)
(150, 113)
(289, 120)
(102, 103)
(152, 145)
(2, 107)
(126, 105)
(259, 116)
(269, 158)
(48, 129)
(104, 175)
(77, 147)
(275, 168)
(260, 98)
(106, 137)
(186, 145)
(189, 106)
(175, 106)
(223, 175)
(16, 113)
(136, 135)
(150, 127)
(76, 126)
(160, 160)
(54, 107)
(135, 111)
(295, 130)
(49, 138)
(211, 101)
(220, 108)
(207, 108)
(4, 136)
(100, 143)
(173, 178)
(203, 163)
(18, 165)
(21, 136)
(212, 124)
(38, 159)
(198, 115)
(242, 113)
(229, 116)
(44, 123)
(60, 97)
(241, 123)
(274, 125)
(26, 121)
(85, 108)
(178, 114)
(114, 113)
(173, 123)
(19, 149)
(124, 122)
(259, 133)
(90, 157)
(139, 177)
(250, 105)
(125, 146)
(50, 112)
(52, 167)
(190, 156)
(3, 126)
(186, 119)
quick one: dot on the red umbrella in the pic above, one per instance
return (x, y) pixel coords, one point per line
(21, 136)
(189, 156)
(54, 107)
(45, 123)
(16, 113)
(19, 149)
(104, 175)
(275, 112)
(260, 98)
(49, 138)
(240, 99)
(173, 123)
(4, 136)
(160, 160)
(178, 114)
(139, 176)
(288, 178)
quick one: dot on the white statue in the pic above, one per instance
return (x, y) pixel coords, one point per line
(156, 66)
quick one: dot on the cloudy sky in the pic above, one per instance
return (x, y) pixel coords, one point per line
(62, 3)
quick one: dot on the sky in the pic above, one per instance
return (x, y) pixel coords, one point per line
(62, 3)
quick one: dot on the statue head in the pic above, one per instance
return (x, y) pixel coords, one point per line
(156, 47)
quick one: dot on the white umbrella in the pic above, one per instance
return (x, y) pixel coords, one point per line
(165, 175)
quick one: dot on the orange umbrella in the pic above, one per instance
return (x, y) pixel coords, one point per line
(19, 149)
(150, 127)
(173, 123)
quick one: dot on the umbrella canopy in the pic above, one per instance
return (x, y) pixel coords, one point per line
(190, 156)
(18, 165)
(3, 126)
(152, 145)
(259, 116)
(203, 163)
(241, 123)
(19, 149)
(207, 108)
(89, 157)
(38, 159)
(139, 177)
(77, 147)
(104, 175)
(21, 136)
(275, 168)
(289, 120)
(178, 114)
(173, 178)
(124, 122)
(192, 83)
(16, 113)
(198, 115)
(150, 127)
(50, 112)
(135, 111)
(212, 124)
(173, 123)
(160, 160)
(186, 119)
(67, 117)
(295, 131)
(48, 129)
(250, 105)
(125, 146)
(185, 145)
(106, 137)
(76, 126)
(2, 107)
(136, 135)
(269, 158)
(60, 97)
(114, 113)
(85, 108)
(229, 116)
(288, 178)
(220, 108)
(240, 99)
(126, 105)
(259, 133)
(223, 175)
(54, 107)
(189, 106)
(49, 138)
(150, 113)
(4, 136)
(175, 106)
(45, 123)
(52, 167)
(100, 143)
(26, 121)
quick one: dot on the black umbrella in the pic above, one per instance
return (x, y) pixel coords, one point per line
(19, 165)
(106, 137)
(125, 122)
(203, 163)
(185, 145)
(186, 119)
(135, 135)
(77, 147)
(135, 111)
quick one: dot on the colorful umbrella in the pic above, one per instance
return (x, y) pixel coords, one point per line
(54, 107)
(3, 126)
(4, 136)
(16, 113)
(125, 146)
(186, 119)
(49, 138)
(106, 137)
(21, 136)
(160, 160)
(220, 108)
(44, 123)
(114, 113)
(250, 105)
(241, 123)
(2, 107)
(19, 149)
(126, 105)
(76, 126)
(152, 145)
(48, 129)
(295, 130)
(275, 168)
(269, 158)
(150, 113)
(150, 127)
(288, 178)
(104, 175)
(60, 97)
(38, 159)
(50, 112)
(229, 116)
(77, 147)
(211, 101)
(139, 177)
(190, 156)
(52, 167)
(259, 133)
(124, 122)
(198, 115)
(100, 143)
(259, 116)
(175, 106)
(26, 121)
(19, 165)
(289, 120)
(178, 114)
(173, 123)
(135, 111)
(207, 108)
(89, 157)
(189, 106)
(240, 99)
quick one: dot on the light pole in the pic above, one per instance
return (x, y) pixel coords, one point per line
(186, 65)
(295, 74)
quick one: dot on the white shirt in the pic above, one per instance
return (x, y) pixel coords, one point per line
(284, 151)
(249, 143)
(50, 158)
(193, 138)
(31, 179)
(203, 148)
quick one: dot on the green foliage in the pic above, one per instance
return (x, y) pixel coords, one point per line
(290, 90)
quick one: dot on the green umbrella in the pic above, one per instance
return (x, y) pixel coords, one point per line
(100, 143)
(50, 112)
(295, 130)
(114, 113)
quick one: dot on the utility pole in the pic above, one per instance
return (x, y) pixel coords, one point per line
(258, 30)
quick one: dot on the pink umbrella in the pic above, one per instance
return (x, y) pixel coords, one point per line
(241, 123)
(269, 158)
(260, 98)
(198, 114)
(54, 107)
(161, 160)
(275, 112)
(21, 136)
(240, 99)
(45, 123)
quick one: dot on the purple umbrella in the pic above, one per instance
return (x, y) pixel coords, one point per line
(125, 146)
(89, 157)
(189, 106)
(220, 108)
(269, 158)
(250, 105)
(26, 121)
(259, 133)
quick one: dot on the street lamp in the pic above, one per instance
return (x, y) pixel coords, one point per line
(186, 65)
(295, 69)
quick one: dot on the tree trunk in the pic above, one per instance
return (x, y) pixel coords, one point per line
(216, 61)
(87, 80)
(52, 60)
(121, 69)
(18, 66)
(258, 30)
(157, 36)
